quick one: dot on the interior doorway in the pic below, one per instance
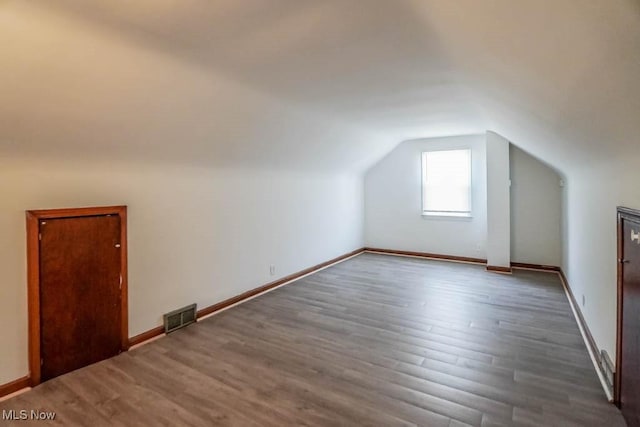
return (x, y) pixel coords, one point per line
(77, 285)
(627, 384)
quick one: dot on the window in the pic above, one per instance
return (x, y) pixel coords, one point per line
(446, 183)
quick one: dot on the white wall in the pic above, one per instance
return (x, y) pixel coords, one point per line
(76, 84)
(393, 211)
(195, 235)
(498, 202)
(592, 194)
(536, 210)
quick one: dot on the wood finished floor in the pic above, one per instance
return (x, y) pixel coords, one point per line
(377, 340)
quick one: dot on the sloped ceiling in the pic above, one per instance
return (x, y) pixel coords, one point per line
(322, 85)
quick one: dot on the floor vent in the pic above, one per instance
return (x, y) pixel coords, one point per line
(179, 318)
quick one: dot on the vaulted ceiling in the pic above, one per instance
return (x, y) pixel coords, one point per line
(320, 85)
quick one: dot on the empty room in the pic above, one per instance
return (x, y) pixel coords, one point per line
(320, 213)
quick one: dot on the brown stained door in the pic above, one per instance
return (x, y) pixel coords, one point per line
(630, 327)
(80, 303)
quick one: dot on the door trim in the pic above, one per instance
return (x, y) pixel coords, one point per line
(33, 275)
(633, 215)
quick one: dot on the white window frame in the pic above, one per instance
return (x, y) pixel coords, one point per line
(446, 214)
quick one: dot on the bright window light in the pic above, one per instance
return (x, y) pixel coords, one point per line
(446, 183)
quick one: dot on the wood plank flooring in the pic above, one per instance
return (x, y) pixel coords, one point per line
(377, 340)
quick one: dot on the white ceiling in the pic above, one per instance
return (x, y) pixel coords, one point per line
(322, 85)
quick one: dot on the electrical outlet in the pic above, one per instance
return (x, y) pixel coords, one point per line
(583, 300)
(272, 269)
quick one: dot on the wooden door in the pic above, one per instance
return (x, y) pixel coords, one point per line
(80, 308)
(79, 292)
(628, 375)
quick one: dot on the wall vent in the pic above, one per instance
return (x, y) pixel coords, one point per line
(179, 318)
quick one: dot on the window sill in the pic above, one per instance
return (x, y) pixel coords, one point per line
(445, 217)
